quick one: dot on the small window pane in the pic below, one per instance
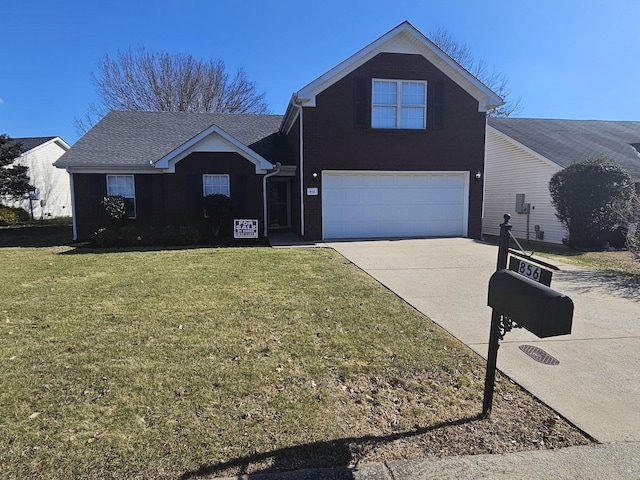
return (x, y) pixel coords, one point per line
(123, 186)
(384, 117)
(412, 117)
(215, 184)
(120, 185)
(385, 93)
(413, 93)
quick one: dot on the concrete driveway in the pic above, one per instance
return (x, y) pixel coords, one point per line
(596, 385)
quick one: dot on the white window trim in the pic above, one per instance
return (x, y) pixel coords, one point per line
(398, 106)
(204, 193)
(133, 181)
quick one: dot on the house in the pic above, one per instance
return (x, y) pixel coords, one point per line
(52, 197)
(522, 154)
(389, 143)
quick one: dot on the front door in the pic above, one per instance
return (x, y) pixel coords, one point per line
(278, 202)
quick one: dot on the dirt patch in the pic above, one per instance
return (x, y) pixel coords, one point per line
(518, 422)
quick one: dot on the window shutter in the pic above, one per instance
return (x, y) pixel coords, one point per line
(361, 102)
(437, 106)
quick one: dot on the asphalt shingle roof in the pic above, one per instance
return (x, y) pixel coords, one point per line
(135, 138)
(29, 143)
(566, 141)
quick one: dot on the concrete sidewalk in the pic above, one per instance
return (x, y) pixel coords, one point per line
(599, 462)
(597, 382)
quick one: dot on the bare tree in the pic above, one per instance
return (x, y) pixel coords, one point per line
(143, 80)
(631, 221)
(490, 76)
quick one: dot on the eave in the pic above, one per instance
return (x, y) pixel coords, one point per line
(404, 39)
(222, 141)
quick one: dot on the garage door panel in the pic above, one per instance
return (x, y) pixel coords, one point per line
(391, 204)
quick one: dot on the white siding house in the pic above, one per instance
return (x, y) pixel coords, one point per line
(514, 169)
(52, 197)
(521, 156)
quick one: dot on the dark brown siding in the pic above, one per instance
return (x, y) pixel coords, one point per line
(334, 141)
(294, 144)
(172, 199)
(89, 190)
(183, 190)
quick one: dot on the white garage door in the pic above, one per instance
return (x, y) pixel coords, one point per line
(394, 204)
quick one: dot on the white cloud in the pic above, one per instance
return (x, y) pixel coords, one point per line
(1, 101)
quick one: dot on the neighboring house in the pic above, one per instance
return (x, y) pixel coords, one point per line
(522, 154)
(389, 143)
(52, 197)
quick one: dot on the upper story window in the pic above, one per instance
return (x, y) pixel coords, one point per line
(215, 184)
(123, 186)
(399, 104)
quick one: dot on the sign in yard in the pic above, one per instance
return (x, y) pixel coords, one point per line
(243, 228)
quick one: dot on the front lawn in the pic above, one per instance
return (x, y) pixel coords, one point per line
(217, 361)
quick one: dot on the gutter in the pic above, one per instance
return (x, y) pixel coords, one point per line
(296, 104)
(264, 196)
(301, 174)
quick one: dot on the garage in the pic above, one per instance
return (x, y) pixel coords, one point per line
(394, 204)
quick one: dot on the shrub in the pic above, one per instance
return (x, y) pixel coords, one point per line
(148, 236)
(590, 196)
(632, 221)
(8, 216)
(218, 209)
(128, 236)
(13, 215)
(106, 238)
(23, 215)
(115, 207)
(180, 235)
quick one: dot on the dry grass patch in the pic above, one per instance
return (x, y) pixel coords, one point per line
(178, 363)
(621, 264)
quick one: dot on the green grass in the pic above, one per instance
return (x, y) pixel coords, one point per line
(150, 364)
(37, 233)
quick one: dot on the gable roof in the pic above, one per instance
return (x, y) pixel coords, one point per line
(566, 141)
(30, 143)
(404, 38)
(138, 139)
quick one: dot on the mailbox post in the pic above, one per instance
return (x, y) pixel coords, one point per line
(518, 301)
(492, 354)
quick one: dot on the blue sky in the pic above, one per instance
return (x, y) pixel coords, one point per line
(565, 58)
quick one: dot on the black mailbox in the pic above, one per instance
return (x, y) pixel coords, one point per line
(536, 307)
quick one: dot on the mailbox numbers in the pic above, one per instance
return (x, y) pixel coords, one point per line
(529, 271)
(526, 269)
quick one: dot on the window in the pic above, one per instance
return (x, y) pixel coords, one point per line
(399, 104)
(215, 184)
(123, 186)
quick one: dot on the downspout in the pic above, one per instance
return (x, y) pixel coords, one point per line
(73, 206)
(264, 195)
(301, 172)
(297, 104)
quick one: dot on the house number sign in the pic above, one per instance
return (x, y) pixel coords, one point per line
(243, 228)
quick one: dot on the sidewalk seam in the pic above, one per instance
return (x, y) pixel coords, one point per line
(388, 472)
